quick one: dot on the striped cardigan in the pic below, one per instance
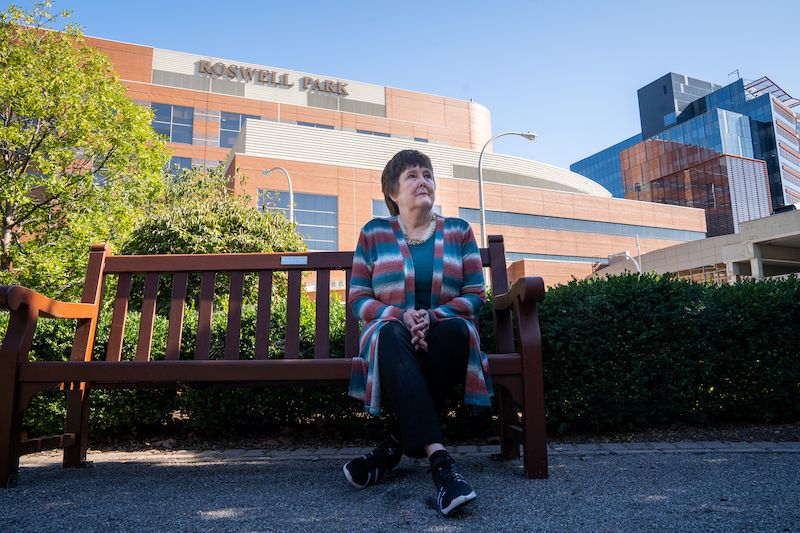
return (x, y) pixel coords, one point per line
(382, 289)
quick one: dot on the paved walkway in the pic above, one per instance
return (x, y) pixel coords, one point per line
(710, 486)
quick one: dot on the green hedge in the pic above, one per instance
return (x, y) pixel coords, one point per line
(621, 353)
(632, 352)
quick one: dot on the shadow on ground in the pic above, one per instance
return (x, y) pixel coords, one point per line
(618, 493)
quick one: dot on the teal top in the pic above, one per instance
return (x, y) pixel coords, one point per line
(422, 256)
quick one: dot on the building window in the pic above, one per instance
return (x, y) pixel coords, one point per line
(420, 139)
(524, 220)
(178, 164)
(174, 122)
(375, 133)
(316, 215)
(314, 125)
(230, 124)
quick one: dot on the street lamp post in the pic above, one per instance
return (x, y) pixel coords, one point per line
(528, 135)
(291, 192)
(629, 257)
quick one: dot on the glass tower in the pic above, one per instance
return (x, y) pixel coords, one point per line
(604, 166)
(698, 140)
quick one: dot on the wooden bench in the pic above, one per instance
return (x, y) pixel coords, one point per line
(516, 367)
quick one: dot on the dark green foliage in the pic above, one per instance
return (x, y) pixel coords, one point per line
(631, 352)
(752, 364)
(621, 353)
(486, 325)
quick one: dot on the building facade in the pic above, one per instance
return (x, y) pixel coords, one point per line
(605, 167)
(765, 248)
(700, 141)
(332, 137)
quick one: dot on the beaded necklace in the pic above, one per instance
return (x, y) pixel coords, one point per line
(428, 233)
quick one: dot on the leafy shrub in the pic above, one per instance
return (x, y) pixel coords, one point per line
(621, 352)
(752, 356)
(630, 352)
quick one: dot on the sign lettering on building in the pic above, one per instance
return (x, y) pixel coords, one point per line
(269, 77)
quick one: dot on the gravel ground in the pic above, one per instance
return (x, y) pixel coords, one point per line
(649, 491)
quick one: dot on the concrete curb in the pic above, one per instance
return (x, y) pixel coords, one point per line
(316, 454)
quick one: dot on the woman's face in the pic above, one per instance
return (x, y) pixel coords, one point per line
(415, 189)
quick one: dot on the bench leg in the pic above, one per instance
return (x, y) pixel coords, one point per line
(10, 435)
(534, 434)
(509, 440)
(14, 348)
(78, 423)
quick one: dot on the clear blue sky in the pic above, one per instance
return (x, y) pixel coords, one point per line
(567, 70)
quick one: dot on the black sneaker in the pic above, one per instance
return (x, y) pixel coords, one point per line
(371, 468)
(453, 490)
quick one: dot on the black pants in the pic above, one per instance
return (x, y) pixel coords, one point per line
(417, 383)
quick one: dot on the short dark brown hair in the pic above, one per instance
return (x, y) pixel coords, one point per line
(390, 179)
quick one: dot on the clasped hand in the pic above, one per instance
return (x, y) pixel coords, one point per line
(418, 323)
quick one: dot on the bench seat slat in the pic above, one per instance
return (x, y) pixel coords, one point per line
(103, 372)
(147, 317)
(117, 332)
(203, 340)
(263, 314)
(176, 307)
(322, 339)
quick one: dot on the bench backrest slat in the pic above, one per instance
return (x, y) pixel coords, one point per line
(205, 310)
(176, 307)
(350, 324)
(292, 340)
(117, 331)
(83, 341)
(504, 331)
(233, 333)
(322, 329)
(263, 314)
(227, 262)
(148, 316)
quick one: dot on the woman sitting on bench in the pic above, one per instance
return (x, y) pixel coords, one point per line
(417, 285)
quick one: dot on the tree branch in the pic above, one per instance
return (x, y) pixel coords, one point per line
(33, 145)
(22, 219)
(99, 168)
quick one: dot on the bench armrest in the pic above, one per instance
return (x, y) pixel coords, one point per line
(12, 297)
(529, 289)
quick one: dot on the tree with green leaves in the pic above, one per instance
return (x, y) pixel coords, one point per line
(78, 158)
(198, 213)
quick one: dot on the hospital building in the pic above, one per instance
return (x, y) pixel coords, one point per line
(333, 136)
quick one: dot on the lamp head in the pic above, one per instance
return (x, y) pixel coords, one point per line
(528, 135)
